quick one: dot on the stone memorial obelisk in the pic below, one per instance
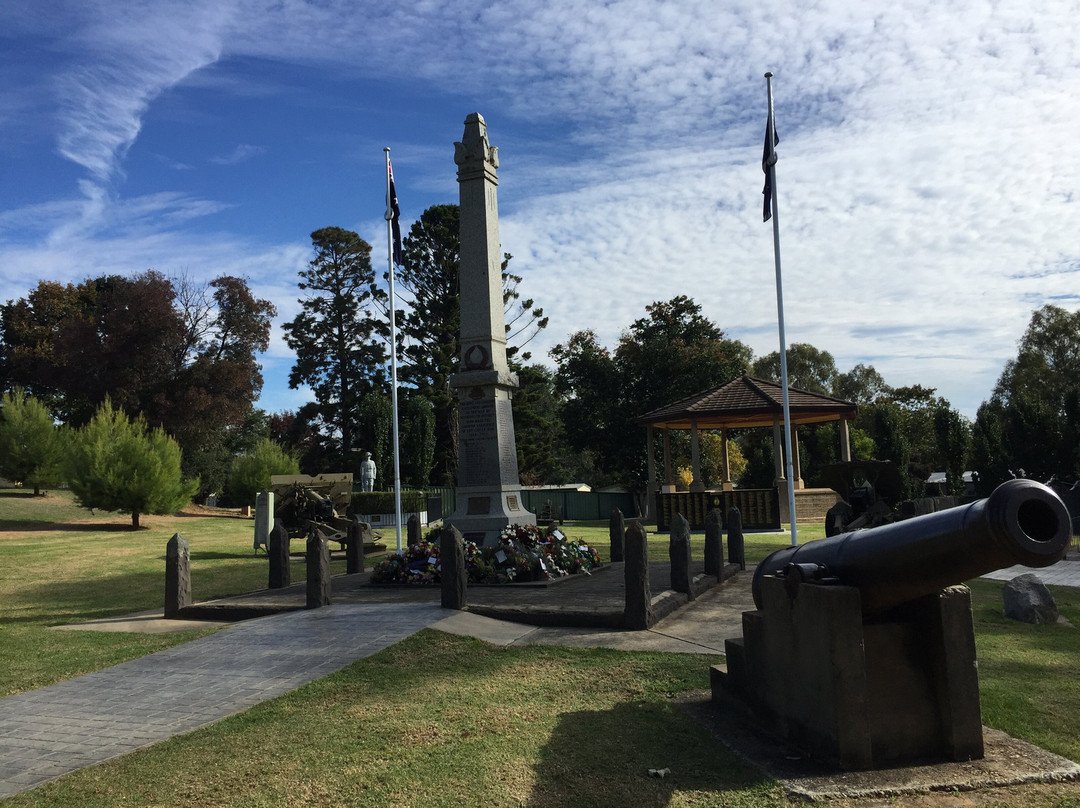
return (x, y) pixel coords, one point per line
(488, 485)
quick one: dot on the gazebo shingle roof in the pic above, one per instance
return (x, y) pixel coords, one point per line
(748, 402)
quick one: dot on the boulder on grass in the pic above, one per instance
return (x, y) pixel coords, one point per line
(1028, 600)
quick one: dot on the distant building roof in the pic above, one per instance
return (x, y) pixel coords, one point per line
(939, 477)
(748, 402)
(583, 487)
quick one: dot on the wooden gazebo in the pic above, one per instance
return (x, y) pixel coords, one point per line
(742, 403)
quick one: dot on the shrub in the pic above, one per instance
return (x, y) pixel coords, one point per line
(383, 502)
(31, 446)
(250, 473)
(116, 464)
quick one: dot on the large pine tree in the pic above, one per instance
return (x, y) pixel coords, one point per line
(339, 343)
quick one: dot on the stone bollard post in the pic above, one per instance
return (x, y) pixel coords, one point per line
(679, 554)
(735, 549)
(318, 571)
(354, 550)
(278, 550)
(453, 573)
(264, 518)
(616, 529)
(413, 531)
(637, 613)
(177, 576)
(714, 542)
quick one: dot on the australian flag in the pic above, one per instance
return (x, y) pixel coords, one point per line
(395, 217)
(768, 160)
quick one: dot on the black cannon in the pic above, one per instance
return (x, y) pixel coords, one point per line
(862, 650)
(1021, 522)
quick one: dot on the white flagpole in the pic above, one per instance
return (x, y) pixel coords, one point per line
(771, 168)
(393, 353)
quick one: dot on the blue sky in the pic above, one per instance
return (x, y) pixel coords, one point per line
(928, 177)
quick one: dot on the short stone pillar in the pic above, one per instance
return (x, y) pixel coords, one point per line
(616, 530)
(679, 554)
(278, 550)
(637, 612)
(264, 519)
(735, 549)
(453, 573)
(354, 548)
(714, 542)
(413, 531)
(177, 576)
(318, 571)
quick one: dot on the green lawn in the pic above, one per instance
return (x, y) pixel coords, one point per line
(441, 720)
(60, 563)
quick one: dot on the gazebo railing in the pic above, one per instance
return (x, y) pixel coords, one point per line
(759, 507)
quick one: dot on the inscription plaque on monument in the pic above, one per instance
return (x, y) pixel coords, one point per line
(479, 505)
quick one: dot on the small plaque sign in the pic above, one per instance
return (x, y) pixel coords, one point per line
(512, 503)
(479, 505)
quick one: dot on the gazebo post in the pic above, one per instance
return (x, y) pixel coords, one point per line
(696, 483)
(725, 483)
(669, 483)
(796, 463)
(778, 453)
(845, 441)
(653, 487)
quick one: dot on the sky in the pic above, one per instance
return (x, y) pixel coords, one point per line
(928, 177)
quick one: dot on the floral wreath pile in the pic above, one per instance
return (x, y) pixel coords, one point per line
(524, 553)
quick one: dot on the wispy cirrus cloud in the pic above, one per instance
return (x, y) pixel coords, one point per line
(241, 154)
(928, 180)
(123, 59)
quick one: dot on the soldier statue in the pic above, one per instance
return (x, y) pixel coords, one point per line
(367, 473)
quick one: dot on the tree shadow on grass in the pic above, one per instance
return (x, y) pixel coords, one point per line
(212, 555)
(67, 527)
(603, 757)
(89, 599)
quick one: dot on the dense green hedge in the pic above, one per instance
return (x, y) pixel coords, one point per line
(383, 502)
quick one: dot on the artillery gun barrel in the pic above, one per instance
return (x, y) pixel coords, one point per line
(1021, 522)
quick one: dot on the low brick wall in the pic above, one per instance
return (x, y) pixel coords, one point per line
(811, 504)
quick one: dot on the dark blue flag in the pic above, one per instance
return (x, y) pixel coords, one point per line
(395, 217)
(768, 160)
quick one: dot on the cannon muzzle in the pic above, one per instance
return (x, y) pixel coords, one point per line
(1021, 522)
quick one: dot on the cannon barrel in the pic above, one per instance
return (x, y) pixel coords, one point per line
(1021, 522)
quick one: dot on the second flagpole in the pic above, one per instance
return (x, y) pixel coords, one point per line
(393, 349)
(771, 169)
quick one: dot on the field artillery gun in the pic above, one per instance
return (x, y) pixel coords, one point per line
(318, 503)
(870, 491)
(862, 651)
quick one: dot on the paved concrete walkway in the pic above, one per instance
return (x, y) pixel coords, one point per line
(79, 722)
(1063, 573)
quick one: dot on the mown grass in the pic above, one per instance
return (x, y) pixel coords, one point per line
(447, 721)
(439, 720)
(1028, 681)
(60, 563)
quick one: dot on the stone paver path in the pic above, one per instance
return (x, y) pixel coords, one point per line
(1063, 573)
(54, 730)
